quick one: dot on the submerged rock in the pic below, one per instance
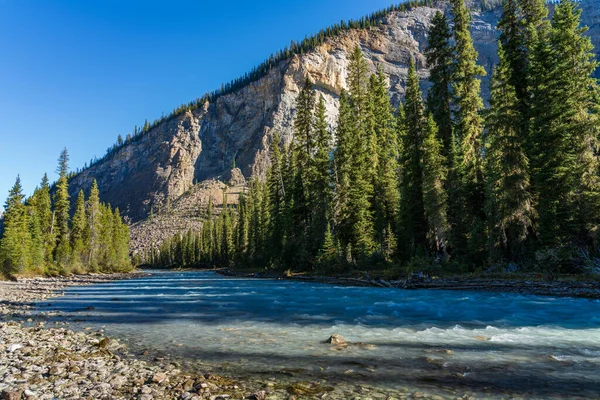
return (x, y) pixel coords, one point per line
(337, 340)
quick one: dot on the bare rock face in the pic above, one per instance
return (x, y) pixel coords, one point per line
(236, 130)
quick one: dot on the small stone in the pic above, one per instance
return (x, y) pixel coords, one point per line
(12, 394)
(14, 347)
(262, 395)
(418, 395)
(159, 377)
(146, 389)
(145, 397)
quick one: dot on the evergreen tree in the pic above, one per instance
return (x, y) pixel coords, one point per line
(320, 189)
(413, 227)
(36, 248)
(440, 61)
(15, 243)
(43, 212)
(434, 194)
(342, 167)
(360, 194)
(469, 128)
(93, 214)
(78, 232)
(565, 131)
(122, 262)
(276, 188)
(62, 252)
(509, 207)
(512, 40)
(386, 168)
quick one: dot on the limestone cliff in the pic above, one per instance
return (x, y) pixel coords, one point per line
(205, 144)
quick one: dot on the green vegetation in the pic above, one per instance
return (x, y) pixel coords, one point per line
(40, 237)
(442, 185)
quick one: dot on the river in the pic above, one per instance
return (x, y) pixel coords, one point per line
(443, 343)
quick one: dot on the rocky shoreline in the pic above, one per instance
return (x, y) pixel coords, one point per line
(40, 361)
(524, 285)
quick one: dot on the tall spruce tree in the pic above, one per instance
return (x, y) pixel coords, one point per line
(62, 205)
(469, 128)
(15, 243)
(565, 131)
(440, 62)
(93, 214)
(78, 232)
(385, 174)
(509, 201)
(321, 188)
(361, 191)
(413, 227)
(36, 248)
(435, 198)
(302, 154)
(276, 188)
(43, 205)
(342, 167)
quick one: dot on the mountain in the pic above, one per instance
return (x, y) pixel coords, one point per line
(162, 181)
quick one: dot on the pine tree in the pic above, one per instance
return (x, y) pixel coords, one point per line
(107, 253)
(122, 262)
(435, 199)
(509, 208)
(565, 131)
(207, 232)
(15, 243)
(469, 128)
(93, 214)
(328, 250)
(320, 189)
(413, 227)
(342, 167)
(386, 168)
(36, 248)
(242, 227)
(303, 145)
(512, 40)
(43, 212)
(62, 252)
(440, 62)
(276, 188)
(360, 194)
(78, 231)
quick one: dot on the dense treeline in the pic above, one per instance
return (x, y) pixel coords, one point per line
(309, 43)
(42, 235)
(440, 182)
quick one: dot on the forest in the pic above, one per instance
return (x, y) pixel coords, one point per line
(441, 183)
(43, 236)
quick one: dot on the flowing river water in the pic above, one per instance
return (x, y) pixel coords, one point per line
(444, 343)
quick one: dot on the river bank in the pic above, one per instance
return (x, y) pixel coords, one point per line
(533, 285)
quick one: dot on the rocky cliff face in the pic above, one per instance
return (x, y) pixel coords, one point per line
(237, 129)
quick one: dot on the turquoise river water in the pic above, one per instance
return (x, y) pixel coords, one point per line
(446, 343)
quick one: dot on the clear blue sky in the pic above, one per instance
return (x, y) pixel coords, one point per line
(78, 73)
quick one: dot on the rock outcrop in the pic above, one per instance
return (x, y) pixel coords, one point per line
(236, 130)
